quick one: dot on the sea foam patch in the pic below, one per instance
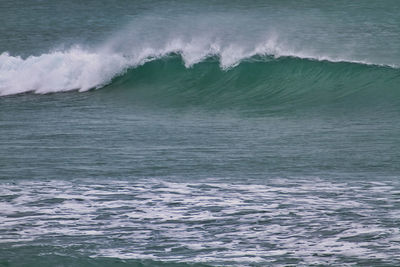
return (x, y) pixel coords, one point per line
(212, 222)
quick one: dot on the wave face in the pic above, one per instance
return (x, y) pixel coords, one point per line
(264, 82)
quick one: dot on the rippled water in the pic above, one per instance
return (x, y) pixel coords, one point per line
(282, 221)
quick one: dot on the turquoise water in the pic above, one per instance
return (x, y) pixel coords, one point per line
(153, 133)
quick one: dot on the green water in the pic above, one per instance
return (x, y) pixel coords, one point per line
(199, 134)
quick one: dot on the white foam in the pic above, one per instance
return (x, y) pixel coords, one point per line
(73, 69)
(248, 218)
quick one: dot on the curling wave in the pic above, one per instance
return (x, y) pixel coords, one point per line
(84, 69)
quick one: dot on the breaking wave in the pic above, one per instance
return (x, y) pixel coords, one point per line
(197, 73)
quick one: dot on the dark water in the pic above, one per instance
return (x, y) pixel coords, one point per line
(204, 134)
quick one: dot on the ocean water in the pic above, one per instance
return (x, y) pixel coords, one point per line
(199, 133)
